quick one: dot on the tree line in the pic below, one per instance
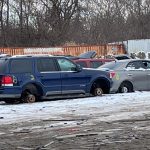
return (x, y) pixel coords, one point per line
(30, 23)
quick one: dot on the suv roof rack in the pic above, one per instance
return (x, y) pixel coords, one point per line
(22, 56)
(37, 55)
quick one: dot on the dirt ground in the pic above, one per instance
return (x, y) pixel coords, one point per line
(79, 132)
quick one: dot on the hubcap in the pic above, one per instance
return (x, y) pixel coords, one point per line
(124, 90)
(99, 92)
(30, 98)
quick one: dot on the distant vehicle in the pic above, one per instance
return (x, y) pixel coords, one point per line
(121, 57)
(4, 55)
(89, 54)
(129, 75)
(32, 78)
(87, 60)
(92, 63)
(86, 55)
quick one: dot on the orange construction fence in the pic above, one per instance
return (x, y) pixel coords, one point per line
(12, 51)
(102, 50)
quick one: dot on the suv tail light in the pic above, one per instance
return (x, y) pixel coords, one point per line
(6, 81)
(112, 74)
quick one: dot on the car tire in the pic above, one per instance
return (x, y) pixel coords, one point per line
(97, 90)
(125, 87)
(30, 94)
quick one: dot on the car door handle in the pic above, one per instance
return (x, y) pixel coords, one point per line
(130, 74)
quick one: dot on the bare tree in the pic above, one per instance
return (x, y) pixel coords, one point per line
(55, 22)
(58, 17)
(2, 29)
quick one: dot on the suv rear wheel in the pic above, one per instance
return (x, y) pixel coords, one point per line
(30, 94)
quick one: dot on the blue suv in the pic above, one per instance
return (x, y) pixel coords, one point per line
(33, 78)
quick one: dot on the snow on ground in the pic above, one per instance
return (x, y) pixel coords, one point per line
(106, 108)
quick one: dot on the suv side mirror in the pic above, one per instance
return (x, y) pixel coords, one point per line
(78, 68)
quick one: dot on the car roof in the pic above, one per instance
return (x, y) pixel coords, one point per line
(129, 60)
(91, 59)
(120, 55)
(120, 63)
(126, 60)
(31, 56)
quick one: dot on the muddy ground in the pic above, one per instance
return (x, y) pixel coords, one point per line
(76, 132)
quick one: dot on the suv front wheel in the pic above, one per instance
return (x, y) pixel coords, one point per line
(97, 90)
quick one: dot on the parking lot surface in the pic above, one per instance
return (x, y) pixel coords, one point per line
(117, 121)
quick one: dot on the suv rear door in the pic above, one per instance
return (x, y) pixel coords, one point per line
(49, 76)
(73, 82)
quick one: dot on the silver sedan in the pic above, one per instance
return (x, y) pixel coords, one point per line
(129, 75)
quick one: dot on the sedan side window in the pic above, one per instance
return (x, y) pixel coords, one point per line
(135, 65)
(146, 64)
(66, 65)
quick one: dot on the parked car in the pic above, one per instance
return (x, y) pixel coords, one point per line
(129, 75)
(87, 60)
(89, 54)
(92, 63)
(121, 57)
(4, 55)
(86, 55)
(32, 78)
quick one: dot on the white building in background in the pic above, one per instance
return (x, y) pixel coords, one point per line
(138, 47)
(141, 46)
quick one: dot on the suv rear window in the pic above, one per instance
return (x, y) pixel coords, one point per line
(21, 66)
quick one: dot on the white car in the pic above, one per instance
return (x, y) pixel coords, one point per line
(128, 75)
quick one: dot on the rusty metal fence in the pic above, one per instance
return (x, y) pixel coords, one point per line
(102, 50)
